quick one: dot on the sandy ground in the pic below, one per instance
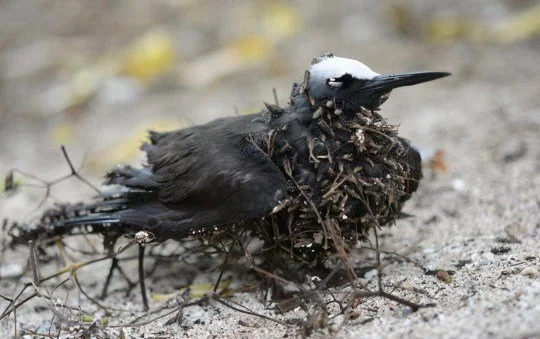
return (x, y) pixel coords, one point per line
(480, 219)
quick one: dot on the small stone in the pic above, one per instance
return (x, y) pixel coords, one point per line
(500, 250)
(529, 271)
(428, 250)
(444, 276)
(370, 274)
(406, 286)
(487, 258)
(11, 270)
(459, 185)
(354, 314)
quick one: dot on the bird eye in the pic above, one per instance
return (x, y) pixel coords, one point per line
(342, 82)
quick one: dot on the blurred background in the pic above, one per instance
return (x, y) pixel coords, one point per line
(96, 75)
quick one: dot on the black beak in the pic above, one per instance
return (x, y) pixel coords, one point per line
(383, 83)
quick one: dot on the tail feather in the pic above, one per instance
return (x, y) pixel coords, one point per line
(98, 216)
(87, 221)
(129, 188)
(49, 228)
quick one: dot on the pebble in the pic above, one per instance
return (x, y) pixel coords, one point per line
(487, 258)
(529, 271)
(407, 286)
(11, 270)
(428, 250)
(459, 185)
(370, 274)
(444, 276)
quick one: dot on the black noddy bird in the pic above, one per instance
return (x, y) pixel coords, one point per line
(218, 174)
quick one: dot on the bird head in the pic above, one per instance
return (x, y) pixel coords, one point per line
(350, 84)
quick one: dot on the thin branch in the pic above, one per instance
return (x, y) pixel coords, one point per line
(141, 278)
(249, 312)
(275, 96)
(33, 262)
(75, 173)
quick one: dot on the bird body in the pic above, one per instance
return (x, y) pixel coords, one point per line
(328, 157)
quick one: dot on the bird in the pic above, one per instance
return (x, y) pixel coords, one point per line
(328, 156)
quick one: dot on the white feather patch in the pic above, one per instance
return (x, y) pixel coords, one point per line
(335, 67)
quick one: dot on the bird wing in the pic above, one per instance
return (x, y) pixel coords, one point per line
(205, 176)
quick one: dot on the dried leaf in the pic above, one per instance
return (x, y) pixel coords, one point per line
(281, 21)
(253, 47)
(62, 134)
(10, 185)
(445, 30)
(195, 291)
(438, 162)
(400, 16)
(522, 26)
(87, 318)
(151, 55)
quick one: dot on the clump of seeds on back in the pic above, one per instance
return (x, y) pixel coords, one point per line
(352, 199)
